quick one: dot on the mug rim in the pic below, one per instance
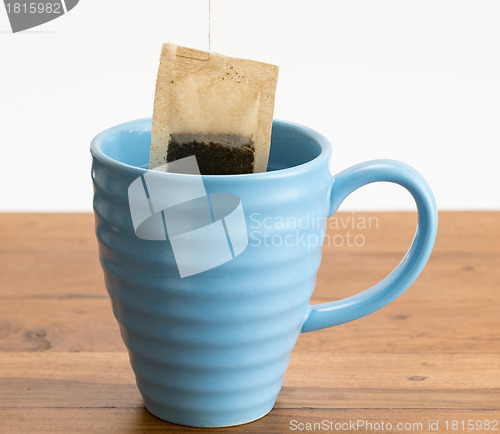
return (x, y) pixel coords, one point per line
(144, 125)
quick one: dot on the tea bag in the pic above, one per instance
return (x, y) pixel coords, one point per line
(218, 108)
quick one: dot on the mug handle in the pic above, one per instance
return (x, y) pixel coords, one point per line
(325, 315)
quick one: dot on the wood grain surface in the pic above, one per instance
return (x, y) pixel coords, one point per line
(432, 356)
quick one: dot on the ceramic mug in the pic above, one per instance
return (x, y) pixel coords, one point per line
(211, 349)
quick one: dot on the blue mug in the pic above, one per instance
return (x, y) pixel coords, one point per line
(211, 349)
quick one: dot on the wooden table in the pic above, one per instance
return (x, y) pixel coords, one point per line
(432, 355)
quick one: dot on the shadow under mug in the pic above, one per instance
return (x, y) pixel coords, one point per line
(211, 349)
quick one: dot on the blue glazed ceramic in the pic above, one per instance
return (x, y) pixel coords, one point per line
(211, 349)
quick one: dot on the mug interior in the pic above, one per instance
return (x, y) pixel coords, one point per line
(291, 144)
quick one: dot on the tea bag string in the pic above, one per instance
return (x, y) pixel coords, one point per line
(209, 38)
(209, 26)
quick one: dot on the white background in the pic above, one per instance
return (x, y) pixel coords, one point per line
(417, 81)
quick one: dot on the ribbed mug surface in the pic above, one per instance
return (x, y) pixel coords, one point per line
(211, 349)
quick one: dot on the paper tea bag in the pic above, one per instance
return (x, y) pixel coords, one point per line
(218, 108)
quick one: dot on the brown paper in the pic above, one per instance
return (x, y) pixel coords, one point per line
(210, 100)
